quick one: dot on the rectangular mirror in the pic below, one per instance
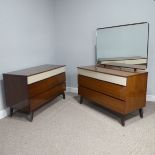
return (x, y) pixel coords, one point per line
(123, 44)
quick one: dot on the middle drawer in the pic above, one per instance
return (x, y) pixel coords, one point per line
(43, 85)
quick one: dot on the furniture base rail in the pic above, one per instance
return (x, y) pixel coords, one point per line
(122, 117)
(30, 114)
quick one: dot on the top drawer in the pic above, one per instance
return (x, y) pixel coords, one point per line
(41, 76)
(113, 90)
(120, 80)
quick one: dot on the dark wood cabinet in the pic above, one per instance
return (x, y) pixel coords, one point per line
(31, 88)
(120, 91)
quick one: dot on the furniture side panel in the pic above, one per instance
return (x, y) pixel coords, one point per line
(15, 90)
(136, 92)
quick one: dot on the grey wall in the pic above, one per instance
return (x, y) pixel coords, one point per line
(77, 20)
(26, 35)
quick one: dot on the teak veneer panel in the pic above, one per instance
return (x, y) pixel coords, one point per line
(136, 92)
(15, 88)
(47, 82)
(104, 100)
(122, 99)
(41, 99)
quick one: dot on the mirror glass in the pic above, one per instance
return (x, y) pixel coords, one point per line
(123, 44)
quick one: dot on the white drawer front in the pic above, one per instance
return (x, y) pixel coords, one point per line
(45, 75)
(104, 77)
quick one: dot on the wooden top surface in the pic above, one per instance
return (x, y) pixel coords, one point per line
(35, 70)
(95, 68)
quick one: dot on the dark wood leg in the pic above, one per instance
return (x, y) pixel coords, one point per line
(123, 120)
(63, 94)
(11, 112)
(81, 99)
(141, 113)
(31, 117)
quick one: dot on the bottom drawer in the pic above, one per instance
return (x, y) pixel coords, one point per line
(104, 100)
(41, 99)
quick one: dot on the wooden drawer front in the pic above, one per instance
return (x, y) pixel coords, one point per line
(104, 100)
(44, 85)
(41, 99)
(107, 88)
(45, 75)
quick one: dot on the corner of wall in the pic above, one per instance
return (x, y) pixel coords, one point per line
(72, 90)
(4, 113)
(150, 98)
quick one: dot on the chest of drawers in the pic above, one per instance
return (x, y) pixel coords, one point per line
(120, 91)
(31, 88)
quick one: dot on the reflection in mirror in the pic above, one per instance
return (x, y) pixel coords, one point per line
(123, 44)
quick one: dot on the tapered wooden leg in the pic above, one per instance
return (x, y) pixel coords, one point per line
(123, 120)
(141, 113)
(11, 112)
(31, 117)
(81, 99)
(63, 94)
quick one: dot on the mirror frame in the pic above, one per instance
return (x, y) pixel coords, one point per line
(96, 60)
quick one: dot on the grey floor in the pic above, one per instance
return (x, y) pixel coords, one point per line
(64, 127)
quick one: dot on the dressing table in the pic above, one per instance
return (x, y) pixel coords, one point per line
(118, 81)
